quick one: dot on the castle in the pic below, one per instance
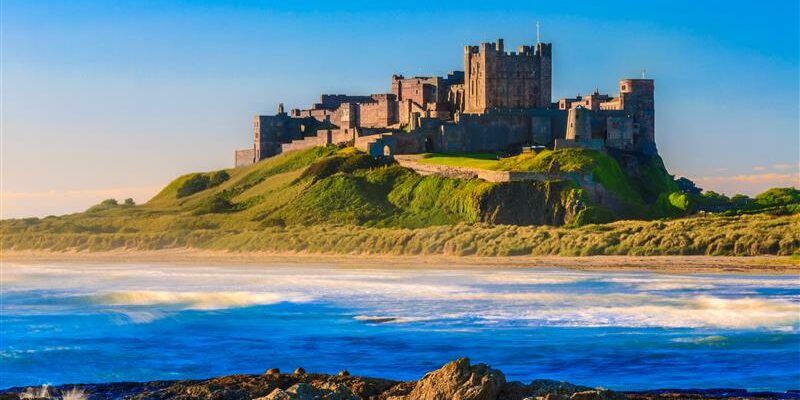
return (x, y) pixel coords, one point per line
(500, 102)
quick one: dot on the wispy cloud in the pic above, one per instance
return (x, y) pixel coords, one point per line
(759, 168)
(786, 166)
(747, 183)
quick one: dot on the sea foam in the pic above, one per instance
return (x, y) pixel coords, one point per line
(194, 300)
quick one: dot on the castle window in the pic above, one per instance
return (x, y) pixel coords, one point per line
(623, 87)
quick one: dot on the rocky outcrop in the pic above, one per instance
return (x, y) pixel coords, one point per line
(307, 391)
(457, 380)
(530, 203)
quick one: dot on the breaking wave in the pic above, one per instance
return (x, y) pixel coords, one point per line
(615, 310)
(194, 300)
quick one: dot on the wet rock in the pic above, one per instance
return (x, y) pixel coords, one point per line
(598, 394)
(306, 391)
(398, 392)
(459, 381)
(543, 387)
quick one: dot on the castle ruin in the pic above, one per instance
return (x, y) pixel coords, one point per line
(500, 102)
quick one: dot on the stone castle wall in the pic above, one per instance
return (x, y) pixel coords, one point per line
(499, 103)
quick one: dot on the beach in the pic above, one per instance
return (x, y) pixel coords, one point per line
(759, 265)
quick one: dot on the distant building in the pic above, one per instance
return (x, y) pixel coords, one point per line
(500, 102)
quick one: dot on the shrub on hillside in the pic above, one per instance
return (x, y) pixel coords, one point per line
(216, 204)
(323, 168)
(594, 215)
(346, 160)
(196, 183)
(670, 205)
(199, 182)
(106, 204)
(778, 197)
(218, 177)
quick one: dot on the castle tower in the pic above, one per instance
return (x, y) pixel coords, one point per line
(544, 58)
(637, 97)
(494, 78)
(579, 124)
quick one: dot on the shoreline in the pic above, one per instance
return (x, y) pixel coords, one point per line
(456, 379)
(757, 265)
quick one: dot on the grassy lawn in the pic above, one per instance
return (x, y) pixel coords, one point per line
(472, 160)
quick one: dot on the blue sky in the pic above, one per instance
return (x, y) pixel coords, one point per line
(114, 99)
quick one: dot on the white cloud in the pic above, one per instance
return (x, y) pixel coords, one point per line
(759, 168)
(747, 183)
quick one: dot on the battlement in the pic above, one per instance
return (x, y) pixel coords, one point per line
(501, 101)
(494, 78)
(636, 85)
(498, 49)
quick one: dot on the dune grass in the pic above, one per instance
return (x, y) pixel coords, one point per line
(748, 235)
(332, 200)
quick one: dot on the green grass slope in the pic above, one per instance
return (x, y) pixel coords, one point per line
(603, 168)
(328, 199)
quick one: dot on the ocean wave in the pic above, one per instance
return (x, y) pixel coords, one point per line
(691, 312)
(516, 278)
(706, 340)
(18, 353)
(681, 282)
(194, 300)
(375, 319)
(631, 311)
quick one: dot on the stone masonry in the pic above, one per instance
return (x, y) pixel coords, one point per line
(501, 102)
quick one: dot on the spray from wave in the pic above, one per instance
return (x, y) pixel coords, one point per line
(194, 300)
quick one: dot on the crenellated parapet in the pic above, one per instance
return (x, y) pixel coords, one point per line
(501, 102)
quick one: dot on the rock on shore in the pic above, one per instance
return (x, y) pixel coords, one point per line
(457, 380)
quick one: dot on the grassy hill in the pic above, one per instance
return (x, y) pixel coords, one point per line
(335, 200)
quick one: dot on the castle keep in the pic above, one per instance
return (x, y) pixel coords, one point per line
(500, 102)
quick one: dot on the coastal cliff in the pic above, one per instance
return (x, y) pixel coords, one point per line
(457, 380)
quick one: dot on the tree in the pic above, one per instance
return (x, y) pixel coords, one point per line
(778, 197)
(740, 199)
(685, 185)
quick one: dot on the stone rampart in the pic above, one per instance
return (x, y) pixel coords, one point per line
(243, 158)
(448, 171)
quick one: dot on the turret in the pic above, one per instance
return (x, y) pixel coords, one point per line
(579, 124)
(637, 97)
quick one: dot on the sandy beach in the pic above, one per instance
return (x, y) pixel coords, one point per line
(762, 265)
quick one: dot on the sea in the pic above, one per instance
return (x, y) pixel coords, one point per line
(104, 322)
